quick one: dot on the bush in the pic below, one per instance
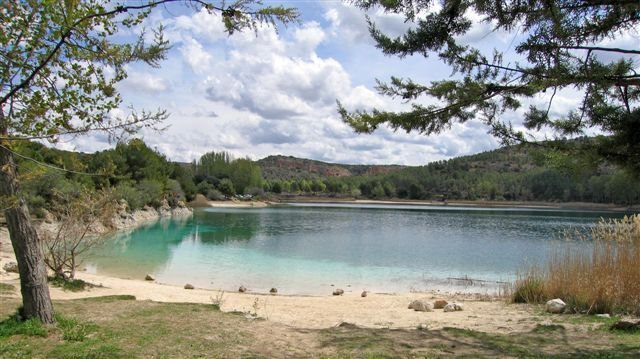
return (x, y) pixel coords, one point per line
(128, 193)
(151, 192)
(215, 195)
(529, 288)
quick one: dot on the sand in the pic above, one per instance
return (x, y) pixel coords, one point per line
(376, 310)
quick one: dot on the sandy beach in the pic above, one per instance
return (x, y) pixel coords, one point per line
(376, 310)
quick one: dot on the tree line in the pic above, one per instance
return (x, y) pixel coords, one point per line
(145, 177)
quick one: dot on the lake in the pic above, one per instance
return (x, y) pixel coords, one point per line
(313, 248)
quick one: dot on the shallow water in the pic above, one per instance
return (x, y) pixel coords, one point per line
(310, 248)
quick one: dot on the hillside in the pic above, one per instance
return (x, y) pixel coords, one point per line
(288, 167)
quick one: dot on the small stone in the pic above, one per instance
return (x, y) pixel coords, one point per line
(364, 294)
(149, 277)
(11, 267)
(273, 291)
(338, 292)
(242, 289)
(422, 326)
(439, 304)
(188, 286)
(453, 307)
(555, 306)
(605, 315)
(421, 306)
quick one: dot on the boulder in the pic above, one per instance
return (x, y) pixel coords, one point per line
(188, 286)
(11, 267)
(421, 306)
(242, 289)
(439, 304)
(363, 294)
(453, 307)
(555, 306)
(338, 292)
(273, 291)
(149, 277)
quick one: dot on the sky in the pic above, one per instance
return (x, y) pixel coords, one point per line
(275, 93)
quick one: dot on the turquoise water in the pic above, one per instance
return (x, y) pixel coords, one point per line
(310, 248)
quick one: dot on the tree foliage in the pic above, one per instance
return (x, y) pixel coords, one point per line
(60, 62)
(563, 47)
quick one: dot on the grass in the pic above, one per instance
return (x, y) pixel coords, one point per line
(602, 281)
(119, 327)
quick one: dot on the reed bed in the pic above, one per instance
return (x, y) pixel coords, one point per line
(603, 280)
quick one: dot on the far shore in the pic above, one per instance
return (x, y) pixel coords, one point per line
(583, 206)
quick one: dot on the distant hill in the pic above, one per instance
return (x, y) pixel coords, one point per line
(288, 167)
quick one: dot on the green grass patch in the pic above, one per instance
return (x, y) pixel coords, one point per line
(14, 326)
(74, 329)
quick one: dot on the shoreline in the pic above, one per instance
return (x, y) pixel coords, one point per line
(376, 310)
(574, 206)
(579, 206)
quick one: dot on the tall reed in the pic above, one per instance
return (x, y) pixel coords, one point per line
(604, 280)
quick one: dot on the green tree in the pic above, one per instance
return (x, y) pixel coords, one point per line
(53, 82)
(245, 174)
(226, 187)
(561, 48)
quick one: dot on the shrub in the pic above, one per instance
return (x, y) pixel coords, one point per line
(151, 192)
(215, 195)
(128, 193)
(529, 288)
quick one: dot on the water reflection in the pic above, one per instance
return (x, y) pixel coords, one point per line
(216, 227)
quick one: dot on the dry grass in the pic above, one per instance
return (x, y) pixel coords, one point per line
(604, 280)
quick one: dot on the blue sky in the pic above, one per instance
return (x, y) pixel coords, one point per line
(276, 93)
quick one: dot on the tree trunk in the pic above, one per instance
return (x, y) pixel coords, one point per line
(36, 301)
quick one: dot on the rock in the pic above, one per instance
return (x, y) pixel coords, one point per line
(421, 306)
(555, 306)
(422, 326)
(338, 292)
(149, 277)
(11, 267)
(364, 294)
(453, 307)
(273, 291)
(242, 289)
(439, 304)
(188, 286)
(605, 315)
(181, 204)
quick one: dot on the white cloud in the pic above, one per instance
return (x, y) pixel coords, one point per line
(196, 56)
(275, 93)
(145, 81)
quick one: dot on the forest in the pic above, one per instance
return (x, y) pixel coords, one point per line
(145, 177)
